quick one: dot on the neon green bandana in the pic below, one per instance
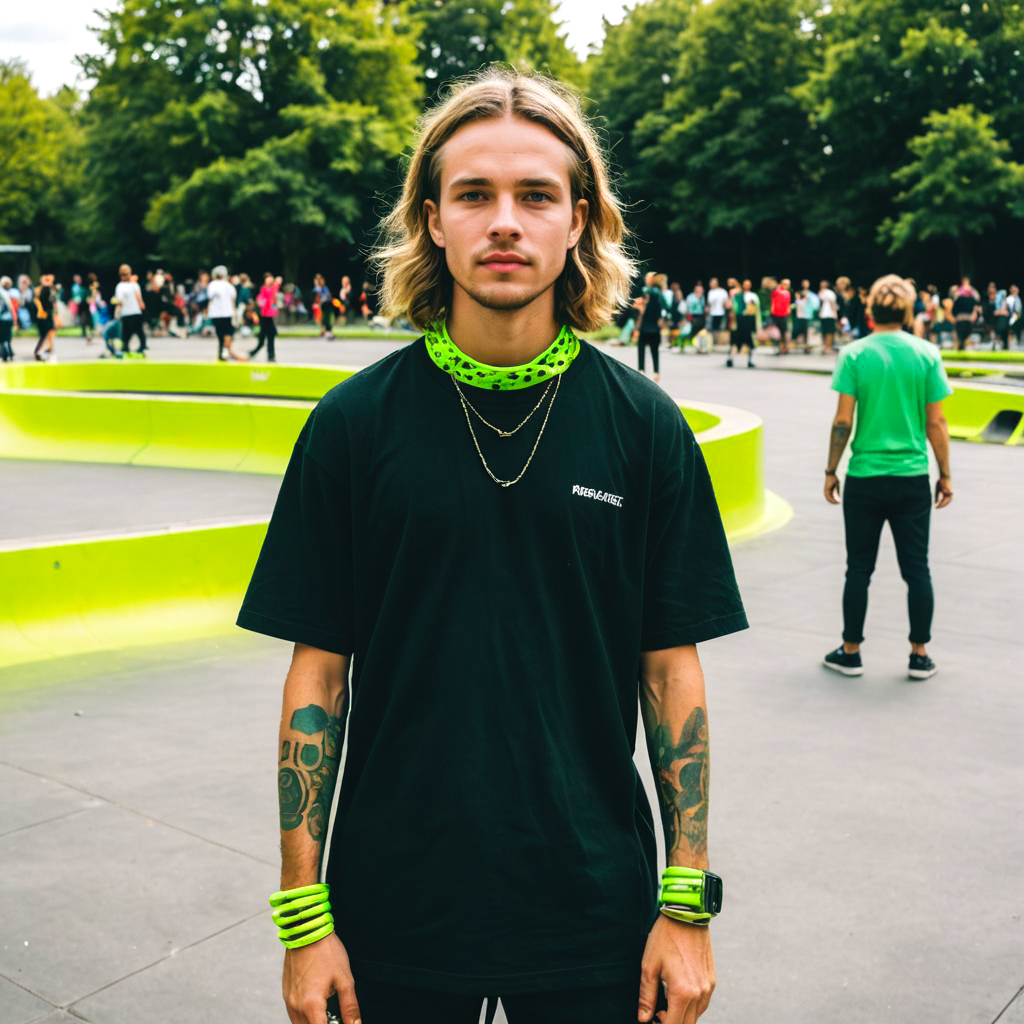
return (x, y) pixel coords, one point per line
(555, 359)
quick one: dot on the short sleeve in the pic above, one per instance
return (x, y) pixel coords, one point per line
(302, 585)
(844, 377)
(690, 592)
(937, 385)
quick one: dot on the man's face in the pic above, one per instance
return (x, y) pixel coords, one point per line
(519, 203)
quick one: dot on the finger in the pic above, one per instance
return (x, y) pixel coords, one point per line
(347, 1001)
(648, 992)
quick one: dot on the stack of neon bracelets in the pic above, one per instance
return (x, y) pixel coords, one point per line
(682, 895)
(302, 915)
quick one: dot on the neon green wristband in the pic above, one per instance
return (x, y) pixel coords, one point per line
(287, 895)
(306, 940)
(690, 894)
(287, 916)
(305, 927)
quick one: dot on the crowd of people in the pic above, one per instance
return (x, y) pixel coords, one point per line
(806, 318)
(215, 303)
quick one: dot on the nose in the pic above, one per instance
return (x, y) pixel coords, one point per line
(505, 221)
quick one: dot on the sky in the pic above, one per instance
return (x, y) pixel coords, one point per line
(49, 33)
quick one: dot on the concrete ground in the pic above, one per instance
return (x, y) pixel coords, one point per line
(868, 830)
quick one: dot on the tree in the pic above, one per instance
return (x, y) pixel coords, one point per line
(39, 163)
(729, 140)
(887, 64)
(626, 79)
(456, 37)
(212, 126)
(959, 177)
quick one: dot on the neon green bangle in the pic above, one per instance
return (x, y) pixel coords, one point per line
(305, 927)
(685, 915)
(287, 895)
(315, 937)
(287, 916)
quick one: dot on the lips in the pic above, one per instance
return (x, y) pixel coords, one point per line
(510, 258)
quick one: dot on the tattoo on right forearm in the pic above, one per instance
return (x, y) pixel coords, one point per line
(308, 767)
(837, 443)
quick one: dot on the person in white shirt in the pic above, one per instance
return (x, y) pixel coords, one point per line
(130, 306)
(806, 307)
(1015, 308)
(717, 301)
(220, 294)
(827, 310)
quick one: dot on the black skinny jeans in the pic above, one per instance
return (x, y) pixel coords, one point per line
(906, 503)
(268, 332)
(645, 338)
(393, 1004)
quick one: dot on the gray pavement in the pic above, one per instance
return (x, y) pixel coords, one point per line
(868, 830)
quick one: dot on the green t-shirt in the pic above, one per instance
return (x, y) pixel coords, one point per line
(892, 376)
(492, 830)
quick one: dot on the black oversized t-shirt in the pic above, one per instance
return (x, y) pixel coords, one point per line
(492, 831)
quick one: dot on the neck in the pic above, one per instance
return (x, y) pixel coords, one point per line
(501, 338)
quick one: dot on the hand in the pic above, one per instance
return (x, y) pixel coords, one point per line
(679, 955)
(943, 491)
(311, 974)
(832, 489)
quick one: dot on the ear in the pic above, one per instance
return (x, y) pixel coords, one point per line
(579, 216)
(433, 216)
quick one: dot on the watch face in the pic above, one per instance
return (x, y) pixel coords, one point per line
(712, 893)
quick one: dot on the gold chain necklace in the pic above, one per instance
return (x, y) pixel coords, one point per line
(498, 430)
(469, 423)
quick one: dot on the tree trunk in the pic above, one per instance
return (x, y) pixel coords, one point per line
(965, 254)
(290, 257)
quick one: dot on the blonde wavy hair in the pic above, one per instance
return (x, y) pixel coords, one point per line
(415, 280)
(891, 300)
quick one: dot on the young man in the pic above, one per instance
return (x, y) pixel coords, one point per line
(221, 295)
(805, 307)
(652, 319)
(965, 312)
(130, 305)
(780, 303)
(748, 323)
(718, 301)
(506, 533)
(899, 381)
(828, 311)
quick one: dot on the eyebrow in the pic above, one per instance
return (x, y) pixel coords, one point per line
(522, 182)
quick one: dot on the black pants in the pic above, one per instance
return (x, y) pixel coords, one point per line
(268, 332)
(6, 331)
(390, 1004)
(906, 502)
(131, 324)
(645, 338)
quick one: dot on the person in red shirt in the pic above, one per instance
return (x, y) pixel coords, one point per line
(782, 299)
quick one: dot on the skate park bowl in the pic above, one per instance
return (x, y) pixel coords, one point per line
(79, 595)
(985, 413)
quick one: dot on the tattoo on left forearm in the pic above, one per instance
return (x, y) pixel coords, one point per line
(308, 767)
(837, 443)
(682, 773)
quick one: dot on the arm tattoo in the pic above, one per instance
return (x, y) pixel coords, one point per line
(682, 772)
(308, 767)
(837, 443)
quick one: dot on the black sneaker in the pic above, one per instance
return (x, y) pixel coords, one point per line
(839, 661)
(921, 667)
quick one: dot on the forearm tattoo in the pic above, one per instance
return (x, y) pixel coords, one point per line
(837, 443)
(682, 773)
(308, 768)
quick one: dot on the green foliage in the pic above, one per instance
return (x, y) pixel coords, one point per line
(730, 135)
(291, 114)
(959, 177)
(39, 168)
(456, 37)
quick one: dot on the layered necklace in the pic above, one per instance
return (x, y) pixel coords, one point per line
(548, 365)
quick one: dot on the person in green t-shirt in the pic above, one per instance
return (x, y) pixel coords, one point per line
(897, 382)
